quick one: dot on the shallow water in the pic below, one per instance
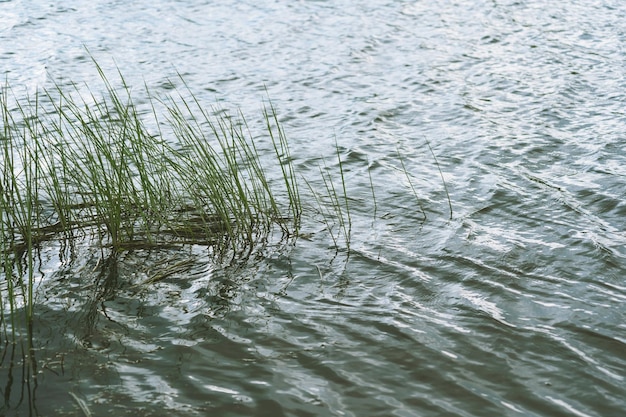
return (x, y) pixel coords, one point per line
(515, 306)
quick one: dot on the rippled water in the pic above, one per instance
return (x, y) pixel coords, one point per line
(513, 307)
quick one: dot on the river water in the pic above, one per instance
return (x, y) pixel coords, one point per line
(514, 306)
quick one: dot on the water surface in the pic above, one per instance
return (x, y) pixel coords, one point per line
(513, 307)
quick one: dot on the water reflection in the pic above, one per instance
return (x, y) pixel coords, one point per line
(103, 332)
(18, 367)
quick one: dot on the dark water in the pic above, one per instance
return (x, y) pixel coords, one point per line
(514, 307)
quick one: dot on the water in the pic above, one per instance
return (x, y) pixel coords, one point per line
(513, 307)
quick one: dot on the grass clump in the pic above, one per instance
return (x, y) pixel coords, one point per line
(86, 163)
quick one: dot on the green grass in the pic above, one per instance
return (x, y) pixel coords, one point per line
(89, 163)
